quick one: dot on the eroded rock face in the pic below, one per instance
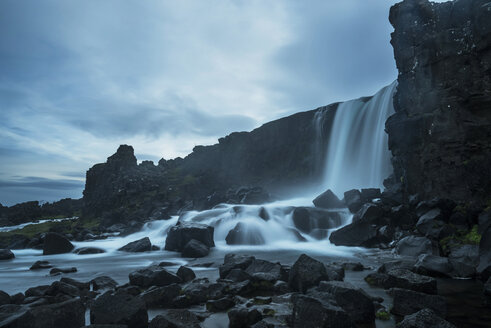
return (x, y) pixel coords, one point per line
(440, 135)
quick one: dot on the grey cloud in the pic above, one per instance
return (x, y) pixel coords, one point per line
(42, 183)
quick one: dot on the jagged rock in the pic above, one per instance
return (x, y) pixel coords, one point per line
(59, 287)
(403, 263)
(261, 270)
(179, 235)
(484, 268)
(238, 275)
(243, 317)
(408, 302)
(370, 212)
(197, 292)
(55, 243)
(175, 319)
(195, 248)
(153, 276)
(354, 301)
(161, 297)
(56, 271)
(4, 298)
(6, 254)
(313, 312)
(306, 272)
(220, 305)
(103, 282)
(88, 250)
(403, 278)
(80, 285)
(328, 200)
(369, 194)
(434, 266)
(186, 274)
(358, 233)
(36, 291)
(142, 245)
(414, 246)
(425, 318)
(263, 214)
(17, 298)
(306, 219)
(244, 234)
(234, 261)
(119, 308)
(352, 199)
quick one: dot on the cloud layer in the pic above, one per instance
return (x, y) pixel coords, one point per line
(78, 78)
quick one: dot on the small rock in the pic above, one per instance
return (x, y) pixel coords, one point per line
(4, 298)
(89, 250)
(38, 265)
(414, 246)
(195, 249)
(153, 276)
(6, 254)
(55, 271)
(220, 305)
(186, 274)
(138, 246)
(243, 317)
(103, 282)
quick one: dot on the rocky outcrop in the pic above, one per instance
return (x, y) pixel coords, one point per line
(55, 243)
(440, 135)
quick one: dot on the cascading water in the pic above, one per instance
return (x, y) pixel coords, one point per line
(358, 154)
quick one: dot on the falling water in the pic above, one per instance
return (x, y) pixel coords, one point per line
(358, 154)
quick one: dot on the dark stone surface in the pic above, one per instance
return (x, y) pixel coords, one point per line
(313, 312)
(408, 302)
(244, 234)
(414, 246)
(88, 250)
(186, 274)
(243, 317)
(55, 243)
(179, 235)
(119, 308)
(233, 261)
(307, 219)
(161, 297)
(352, 199)
(441, 131)
(306, 272)
(103, 282)
(425, 318)
(328, 200)
(55, 271)
(4, 298)
(6, 254)
(153, 276)
(175, 319)
(137, 246)
(195, 248)
(403, 278)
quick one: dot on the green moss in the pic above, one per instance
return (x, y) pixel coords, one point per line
(471, 237)
(370, 280)
(32, 230)
(269, 312)
(382, 315)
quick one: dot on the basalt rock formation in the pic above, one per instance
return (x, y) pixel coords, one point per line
(440, 135)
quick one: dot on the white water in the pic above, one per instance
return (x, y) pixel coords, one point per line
(358, 155)
(20, 226)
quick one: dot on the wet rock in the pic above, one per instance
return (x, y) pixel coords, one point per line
(305, 273)
(314, 312)
(328, 200)
(353, 266)
(484, 268)
(161, 297)
(357, 303)
(425, 318)
(36, 291)
(78, 284)
(244, 234)
(407, 302)
(6, 254)
(186, 274)
(243, 317)
(403, 278)
(414, 246)
(175, 319)
(69, 314)
(198, 292)
(103, 282)
(434, 266)
(370, 212)
(56, 271)
(39, 265)
(307, 219)
(263, 214)
(142, 245)
(352, 199)
(59, 287)
(319, 234)
(358, 233)
(220, 305)
(468, 254)
(153, 276)
(335, 272)
(234, 261)
(54, 243)
(261, 270)
(403, 263)
(17, 298)
(369, 194)
(403, 217)
(119, 308)
(195, 249)
(88, 250)
(180, 234)
(4, 298)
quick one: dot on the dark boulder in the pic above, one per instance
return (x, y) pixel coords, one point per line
(403, 278)
(175, 319)
(220, 305)
(313, 312)
(358, 233)
(357, 303)
(328, 200)
(484, 268)
(352, 199)
(180, 234)
(103, 282)
(153, 276)
(59, 287)
(119, 308)
(6, 254)
(307, 219)
(55, 243)
(186, 274)
(234, 261)
(195, 249)
(4, 298)
(142, 245)
(373, 213)
(407, 302)
(238, 275)
(244, 234)
(434, 266)
(161, 297)
(414, 246)
(36, 291)
(265, 271)
(369, 194)
(306, 272)
(197, 292)
(88, 250)
(56, 271)
(243, 317)
(425, 318)
(80, 285)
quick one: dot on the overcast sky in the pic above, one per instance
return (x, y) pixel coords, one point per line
(78, 78)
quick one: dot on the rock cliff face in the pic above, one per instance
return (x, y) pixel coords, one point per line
(440, 135)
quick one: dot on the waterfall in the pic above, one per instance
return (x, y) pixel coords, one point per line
(358, 155)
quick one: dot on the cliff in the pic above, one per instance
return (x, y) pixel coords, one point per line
(440, 135)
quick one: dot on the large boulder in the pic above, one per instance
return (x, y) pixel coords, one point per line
(6, 254)
(314, 312)
(425, 318)
(233, 261)
(175, 319)
(142, 245)
(103, 282)
(119, 308)
(54, 243)
(434, 266)
(243, 317)
(195, 249)
(306, 272)
(403, 278)
(153, 276)
(414, 246)
(161, 297)
(307, 219)
(4, 298)
(185, 273)
(407, 302)
(352, 199)
(328, 200)
(244, 234)
(358, 233)
(180, 234)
